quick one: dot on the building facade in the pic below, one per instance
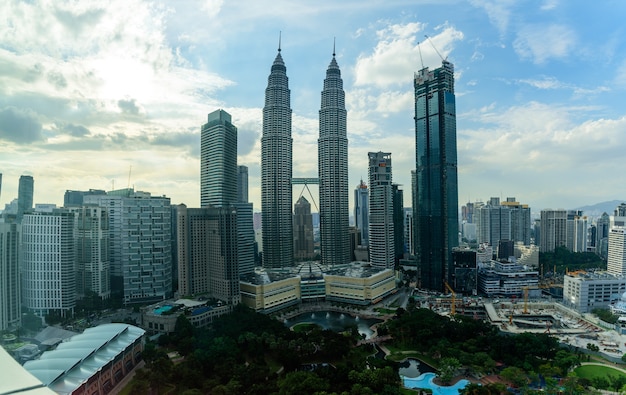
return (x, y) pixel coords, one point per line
(333, 170)
(381, 224)
(587, 291)
(303, 230)
(616, 261)
(48, 263)
(436, 189)
(91, 230)
(553, 229)
(276, 169)
(25, 192)
(242, 184)
(361, 212)
(10, 287)
(218, 160)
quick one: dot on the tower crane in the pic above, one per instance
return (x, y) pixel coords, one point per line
(453, 300)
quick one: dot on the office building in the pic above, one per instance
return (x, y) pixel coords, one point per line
(10, 287)
(585, 292)
(616, 261)
(75, 198)
(218, 160)
(381, 225)
(207, 253)
(333, 170)
(570, 231)
(140, 244)
(553, 229)
(25, 193)
(242, 184)
(48, 263)
(465, 274)
(602, 235)
(503, 278)
(408, 231)
(507, 220)
(246, 244)
(302, 230)
(436, 190)
(91, 230)
(581, 233)
(361, 212)
(276, 169)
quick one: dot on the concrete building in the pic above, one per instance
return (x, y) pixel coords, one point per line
(48, 262)
(75, 198)
(140, 242)
(333, 170)
(207, 253)
(302, 230)
(436, 204)
(25, 193)
(581, 232)
(161, 317)
(616, 261)
(553, 229)
(509, 220)
(465, 276)
(10, 287)
(570, 231)
(506, 279)
(267, 292)
(398, 223)
(584, 291)
(91, 233)
(218, 160)
(381, 224)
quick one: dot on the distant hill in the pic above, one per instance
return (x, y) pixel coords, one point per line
(596, 210)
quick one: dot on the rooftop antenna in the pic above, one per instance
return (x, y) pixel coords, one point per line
(129, 170)
(433, 45)
(279, 39)
(419, 48)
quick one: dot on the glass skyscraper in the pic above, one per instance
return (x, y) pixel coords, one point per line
(381, 225)
(333, 171)
(276, 169)
(25, 193)
(218, 160)
(436, 189)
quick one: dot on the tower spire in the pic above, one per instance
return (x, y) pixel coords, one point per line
(334, 38)
(279, 39)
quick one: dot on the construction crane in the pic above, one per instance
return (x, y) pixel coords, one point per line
(453, 300)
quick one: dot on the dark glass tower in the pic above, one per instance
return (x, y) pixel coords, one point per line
(436, 190)
(333, 170)
(276, 169)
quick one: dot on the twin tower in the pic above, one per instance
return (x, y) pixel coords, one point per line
(277, 164)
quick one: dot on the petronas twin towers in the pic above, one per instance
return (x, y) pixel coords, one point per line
(276, 170)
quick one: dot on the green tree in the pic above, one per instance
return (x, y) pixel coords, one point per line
(515, 375)
(301, 383)
(447, 369)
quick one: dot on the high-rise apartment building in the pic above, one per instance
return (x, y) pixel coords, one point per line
(25, 191)
(581, 233)
(381, 224)
(332, 148)
(10, 287)
(602, 235)
(498, 220)
(242, 184)
(570, 232)
(553, 229)
(361, 211)
(207, 252)
(276, 169)
(218, 160)
(616, 262)
(140, 244)
(302, 230)
(49, 262)
(398, 222)
(91, 234)
(436, 188)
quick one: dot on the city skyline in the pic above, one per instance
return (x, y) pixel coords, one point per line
(93, 90)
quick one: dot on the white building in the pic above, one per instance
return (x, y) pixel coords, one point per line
(381, 226)
(48, 262)
(616, 262)
(553, 229)
(506, 279)
(587, 291)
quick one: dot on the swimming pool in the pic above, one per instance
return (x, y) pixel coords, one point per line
(163, 309)
(425, 381)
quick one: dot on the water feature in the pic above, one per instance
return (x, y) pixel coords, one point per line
(412, 367)
(335, 321)
(425, 381)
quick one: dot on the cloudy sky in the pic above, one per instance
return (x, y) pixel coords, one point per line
(109, 94)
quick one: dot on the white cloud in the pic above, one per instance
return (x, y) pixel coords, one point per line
(540, 43)
(498, 11)
(397, 55)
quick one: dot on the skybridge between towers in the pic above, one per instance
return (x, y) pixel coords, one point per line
(306, 181)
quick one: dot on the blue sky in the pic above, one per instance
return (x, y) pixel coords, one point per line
(91, 90)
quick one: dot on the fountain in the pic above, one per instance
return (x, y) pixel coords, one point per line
(327, 315)
(312, 315)
(342, 316)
